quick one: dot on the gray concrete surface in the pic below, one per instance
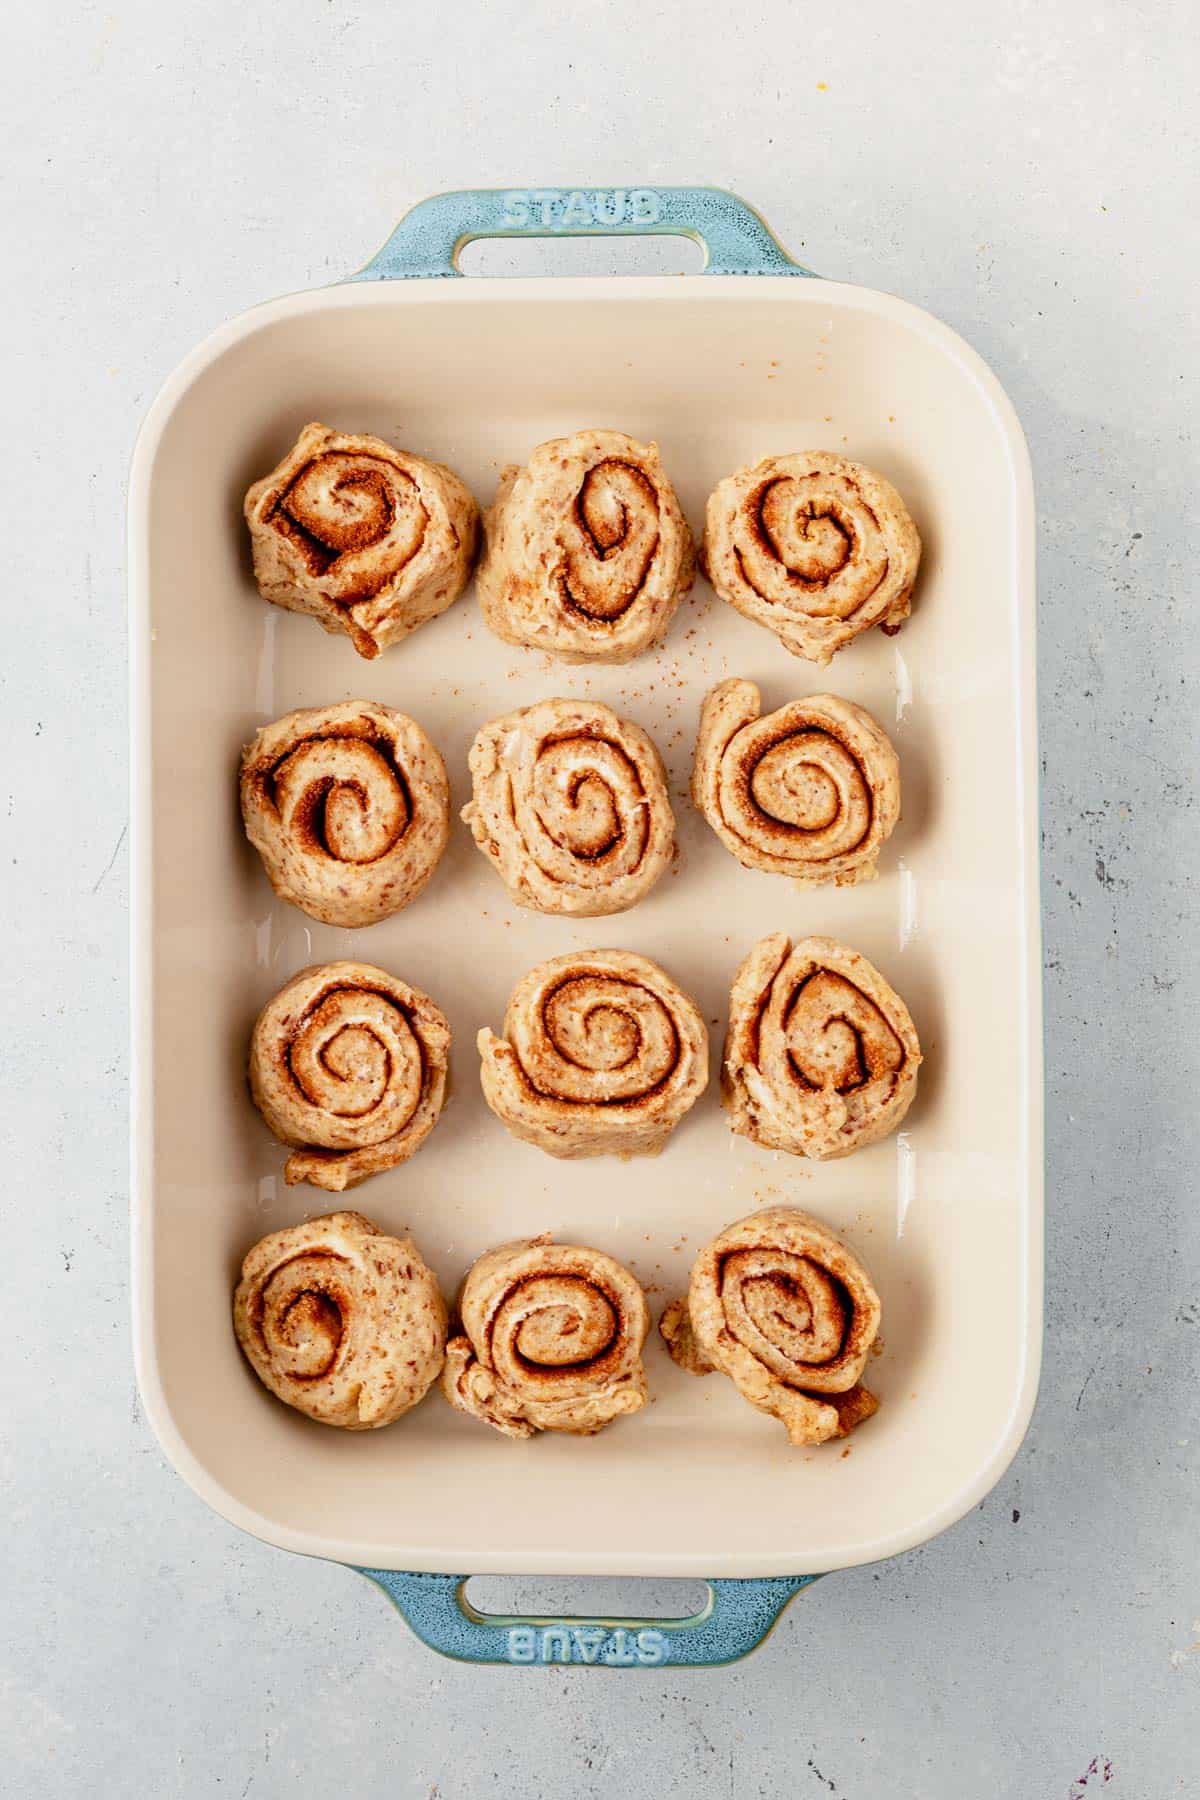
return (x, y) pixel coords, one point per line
(1030, 175)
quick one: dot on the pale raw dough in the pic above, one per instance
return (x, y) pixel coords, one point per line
(781, 1306)
(341, 1321)
(370, 540)
(349, 1065)
(349, 808)
(813, 546)
(551, 1341)
(821, 1055)
(570, 806)
(602, 1055)
(588, 553)
(811, 791)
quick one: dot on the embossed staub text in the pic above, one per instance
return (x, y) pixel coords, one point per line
(576, 209)
(617, 1648)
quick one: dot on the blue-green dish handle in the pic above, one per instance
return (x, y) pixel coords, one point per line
(735, 240)
(736, 1618)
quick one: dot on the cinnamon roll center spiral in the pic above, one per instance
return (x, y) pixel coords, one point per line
(355, 1057)
(609, 1039)
(838, 1038)
(302, 1316)
(556, 1322)
(809, 781)
(354, 516)
(810, 533)
(588, 797)
(812, 538)
(785, 1308)
(609, 540)
(343, 798)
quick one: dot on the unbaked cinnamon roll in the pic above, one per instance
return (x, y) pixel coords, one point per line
(781, 1306)
(821, 1055)
(813, 546)
(587, 553)
(571, 807)
(811, 791)
(551, 1340)
(602, 1055)
(349, 808)
(341, 1321)
(370, 540)
(350, 1066)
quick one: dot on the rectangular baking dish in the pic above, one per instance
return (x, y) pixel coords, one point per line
(719, 369)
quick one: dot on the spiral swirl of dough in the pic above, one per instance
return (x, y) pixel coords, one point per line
(811, 791)
(349, 808)
(551, 1341)
(370, 540)
(602, 1054)
(815, 547)
(821, 1055)
(570, 803)
(781, 1306)
(349, 1065)
(341, 1321)
(588, 553)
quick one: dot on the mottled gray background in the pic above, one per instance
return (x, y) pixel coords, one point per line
(1028, 173)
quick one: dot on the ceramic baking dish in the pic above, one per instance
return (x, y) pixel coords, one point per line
(720, 369)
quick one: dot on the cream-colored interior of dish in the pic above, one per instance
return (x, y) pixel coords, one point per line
(943, 1214)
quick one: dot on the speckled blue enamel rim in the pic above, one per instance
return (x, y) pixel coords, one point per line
(738, 1615)
(427, 241)
(736, 1618)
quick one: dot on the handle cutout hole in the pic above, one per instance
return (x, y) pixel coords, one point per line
(582, 256)
(586, 1597)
